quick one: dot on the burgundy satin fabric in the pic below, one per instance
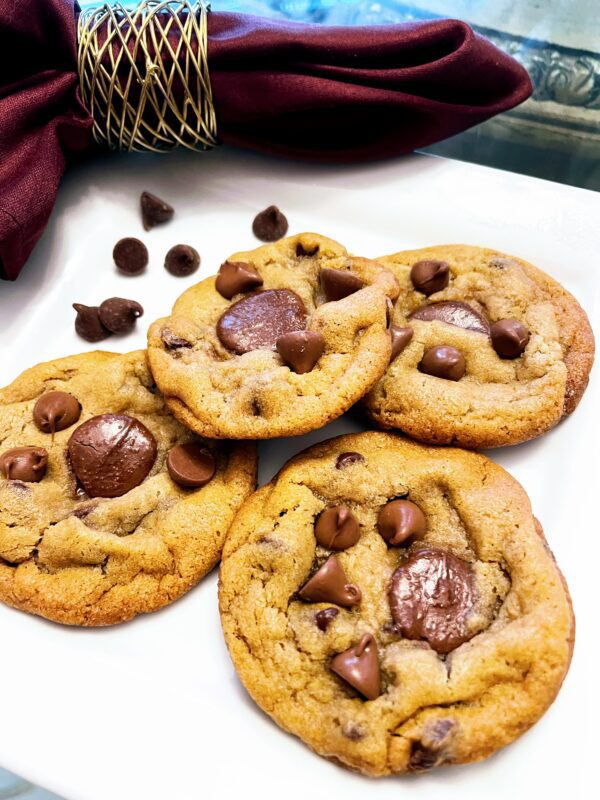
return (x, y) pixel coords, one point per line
(306, 91)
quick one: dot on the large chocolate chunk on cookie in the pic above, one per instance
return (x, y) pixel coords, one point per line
(397, 613)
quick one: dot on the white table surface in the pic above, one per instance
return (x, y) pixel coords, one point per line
(152, 709)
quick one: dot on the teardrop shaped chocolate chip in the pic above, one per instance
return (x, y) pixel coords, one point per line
(400, 520)
(454, 312)
(154, 210)
(359, 667)
(430, 276)
(119, 315)
(337, 528)
(329, 584)
(301, 349)
(190, 465)
(55, 411)
(270, 225)
(28, 464)
(509, 338)
(235, 277)
(339, 283)
(88, 324)
(259, 320)
(443, 361)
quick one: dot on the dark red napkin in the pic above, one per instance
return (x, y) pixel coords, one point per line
(306, 91)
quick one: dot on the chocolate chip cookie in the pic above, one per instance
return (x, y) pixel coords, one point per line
(109, 507)
(285, 338)
(394, 605)
(488, 349)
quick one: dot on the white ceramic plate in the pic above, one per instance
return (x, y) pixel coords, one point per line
(152, 709)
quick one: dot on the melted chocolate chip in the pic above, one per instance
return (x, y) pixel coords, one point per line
(88, 324)
(190, 465)
(131, 256)
(443, 361)
(111, 454)
(329, 584)
(432, 596)
(430, 276)
(428, 752)
(509, 338)
(399, 521)
(173, 342)
(259, 320)
(301, 349)
(339, 283)
(337, 528)
(26, 464)
(154, 210)
(400, 339)
(119, 315)
(325, 617)
(270, 225)
(453, 312)
(235, 277)
(347, 459)
(302, 250)
(182, 260)
(55, 411)
(359, 667)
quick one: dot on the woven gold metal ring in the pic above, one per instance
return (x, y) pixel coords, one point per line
(143, 75)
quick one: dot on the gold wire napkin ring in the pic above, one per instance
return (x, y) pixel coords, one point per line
(130, 60)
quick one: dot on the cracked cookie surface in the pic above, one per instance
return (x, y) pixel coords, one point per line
(231, 379)
(457, 667)
(493, 399)
(100, 560)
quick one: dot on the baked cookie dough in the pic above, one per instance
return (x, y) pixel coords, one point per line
(285, 338)
(109, 507)
(490, 350)
(394, 605)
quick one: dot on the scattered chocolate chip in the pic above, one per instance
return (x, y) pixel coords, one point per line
(55, 411)
(509, 338)
(173, 342)
(119, 315)
(182, 260)
(27, 464)
(235, 277)
(154, 210)
(432, 596)
(111, 454)
(88, 325)
(325, 617)
(131, 256)
(430, 276)
(190, 465)
(310, 251)
(359, 666)
(400, 338)
(347, 459)
(454, 312)
(257, 321)
(301, 349)
(400, 520)
(270, 225)
(337, 528)
(339, 283)
(443, 361)
(329, 584)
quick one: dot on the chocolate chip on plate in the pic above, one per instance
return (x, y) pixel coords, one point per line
(182, 260)
(26, 464)
(270, 225)
(454, 312)
(190, 465)
(55, 411)
(400, 520)
(88, 324)
(443, 361)
(301, 349)
(235, 277)
(359, 667)
(339, 283)
(119, 315)
(154, 210)
(400, 339)
(432, 596)
(337, 528)
(131, 256)
(111, 454)
(430, 276)
(257, 321)
(329, 584)
(509, 338)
